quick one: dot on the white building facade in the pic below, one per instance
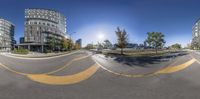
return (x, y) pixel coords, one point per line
(6, 35)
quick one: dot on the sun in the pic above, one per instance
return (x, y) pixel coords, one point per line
(100, 36)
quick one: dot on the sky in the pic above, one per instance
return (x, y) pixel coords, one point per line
(95, 20)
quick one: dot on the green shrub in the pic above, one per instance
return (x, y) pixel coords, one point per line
(47, 51)
(20, 51)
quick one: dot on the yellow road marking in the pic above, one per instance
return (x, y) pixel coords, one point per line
(169, 69)
(45, 78)
(70, 62)
(78, 77)
(43, 58)
(65, 80)
(172, 69)
(11, 70)
(51, 72)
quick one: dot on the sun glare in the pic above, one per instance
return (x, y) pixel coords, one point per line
(100, 36)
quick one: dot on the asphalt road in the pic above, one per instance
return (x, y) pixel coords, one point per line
(84, 75)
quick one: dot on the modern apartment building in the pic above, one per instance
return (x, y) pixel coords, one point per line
(196, 34)
(6, 35)
(196, 29)
(40, 26)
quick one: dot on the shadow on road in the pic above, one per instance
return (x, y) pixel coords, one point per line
(144, 61)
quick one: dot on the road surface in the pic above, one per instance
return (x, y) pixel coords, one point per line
(84, 75)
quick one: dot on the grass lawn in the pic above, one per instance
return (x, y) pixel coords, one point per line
(139, 53)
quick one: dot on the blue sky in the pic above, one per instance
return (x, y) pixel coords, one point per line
(89, 18)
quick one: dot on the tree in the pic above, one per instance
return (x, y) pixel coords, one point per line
(77, 46)
(70, 44)
(155, 40)
(107, 44)
(122, 38)
(176, 46)
(64, 43)
(89, 46)
(195, 43)
(99, 46)
(51, 41)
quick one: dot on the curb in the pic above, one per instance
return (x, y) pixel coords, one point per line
(43, 56)
(39, 57)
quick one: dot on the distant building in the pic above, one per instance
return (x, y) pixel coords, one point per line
(14, 42)
(79, 43)
(6, 35)
(41, 25)
(21, 40)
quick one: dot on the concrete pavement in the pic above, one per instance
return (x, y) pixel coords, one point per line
(97, 83)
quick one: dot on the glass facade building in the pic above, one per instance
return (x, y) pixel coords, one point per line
(6, 35)
(41, 24)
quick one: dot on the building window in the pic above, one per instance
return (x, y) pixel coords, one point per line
(196, 34)
(30, 33)
(38, 34)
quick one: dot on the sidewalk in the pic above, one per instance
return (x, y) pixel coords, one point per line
(139, 65)
(195, 51)
(38, 55)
